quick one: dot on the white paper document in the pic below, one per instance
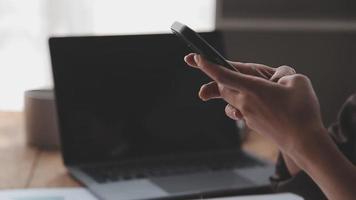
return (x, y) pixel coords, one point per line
(47, 194)
(282, 196)
(83, 194)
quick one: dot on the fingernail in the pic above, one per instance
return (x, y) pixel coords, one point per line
(201, 97)
(234, 112)
(200, 94)
(186, 58)
(197, 59)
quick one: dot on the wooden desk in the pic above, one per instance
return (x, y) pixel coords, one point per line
(28, 167)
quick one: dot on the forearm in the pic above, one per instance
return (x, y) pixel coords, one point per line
(327, 166)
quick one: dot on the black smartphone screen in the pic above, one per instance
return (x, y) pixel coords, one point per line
(199, 45)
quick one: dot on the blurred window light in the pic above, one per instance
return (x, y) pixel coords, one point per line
(138, 16)
(26, 25)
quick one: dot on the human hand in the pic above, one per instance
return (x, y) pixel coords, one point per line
(288, 112)
(211, 91)
(285, 111)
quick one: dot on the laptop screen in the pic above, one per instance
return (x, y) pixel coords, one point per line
(121, 98)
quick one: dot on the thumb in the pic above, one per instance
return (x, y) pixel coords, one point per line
(281, 72)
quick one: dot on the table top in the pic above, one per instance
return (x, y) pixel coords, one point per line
(22, 166)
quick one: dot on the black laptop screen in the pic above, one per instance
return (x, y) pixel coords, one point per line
(126, 97)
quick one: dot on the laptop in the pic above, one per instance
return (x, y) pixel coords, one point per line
(132, 126)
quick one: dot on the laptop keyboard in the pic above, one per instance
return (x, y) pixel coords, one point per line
(168, 167)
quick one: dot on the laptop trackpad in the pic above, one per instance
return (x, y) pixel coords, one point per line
(202, 182)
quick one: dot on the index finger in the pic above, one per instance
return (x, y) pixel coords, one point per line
(254, 69)
(231, 79)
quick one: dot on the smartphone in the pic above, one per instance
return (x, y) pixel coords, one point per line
(199, 45)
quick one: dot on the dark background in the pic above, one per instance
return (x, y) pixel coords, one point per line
(326, 52)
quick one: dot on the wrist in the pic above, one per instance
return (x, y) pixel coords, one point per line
(310, 148)
(321, 159)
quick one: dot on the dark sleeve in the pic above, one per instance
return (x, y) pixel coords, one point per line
(343, 133)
